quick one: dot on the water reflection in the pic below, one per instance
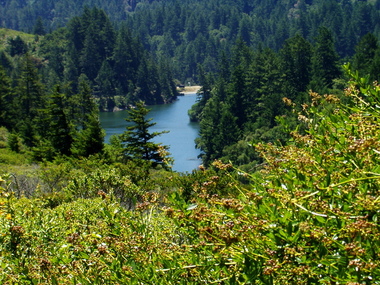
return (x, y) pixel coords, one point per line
(169, 117)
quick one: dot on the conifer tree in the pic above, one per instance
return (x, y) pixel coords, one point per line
(71, 69)
(324, 61)
(60, 133)
(137, 139)
(89, 137)
(39, 27)
(296, 63)
(83, 102)
(90, 59)
(166, 84)
(105, 85)
(209, 133)
(17, 46)
(126, 60)
(89, 140)
(365, 54)
(375, 67)
(5, 100)
(29, 100)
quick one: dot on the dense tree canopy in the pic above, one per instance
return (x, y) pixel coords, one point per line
(253, 91)
(247, 56)
(289, 189)
(192, 32)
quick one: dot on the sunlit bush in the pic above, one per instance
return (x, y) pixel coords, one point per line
(309, 216)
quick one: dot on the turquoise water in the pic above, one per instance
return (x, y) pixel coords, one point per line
(168, 117)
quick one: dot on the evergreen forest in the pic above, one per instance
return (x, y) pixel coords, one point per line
(288, 109)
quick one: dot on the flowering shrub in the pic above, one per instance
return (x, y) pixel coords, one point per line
(309, 216)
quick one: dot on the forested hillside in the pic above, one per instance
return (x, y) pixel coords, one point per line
(114, 62)
(196, 32)
(249, 100)
(288, 192)
(247, 55)
(53, 85)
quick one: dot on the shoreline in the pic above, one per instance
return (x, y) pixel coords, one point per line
(187, 90)
(190, 90)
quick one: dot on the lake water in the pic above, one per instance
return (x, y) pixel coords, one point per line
(168, 117)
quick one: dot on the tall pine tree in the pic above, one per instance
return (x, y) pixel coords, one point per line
(6, 96)
(137, 139)
(324, 61)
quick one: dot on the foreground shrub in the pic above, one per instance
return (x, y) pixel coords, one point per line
(310, 216)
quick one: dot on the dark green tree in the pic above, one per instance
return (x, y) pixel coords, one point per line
(209, 133)
(218, 129)
(17, 46)
(89, 135)
(375, 67)
(264, 91)
(166, 84)
(296, 64)
(105, 86)
(244, 29)
(71, 67)
(39, 27)
(30, 98)
(143, 80)
(365, 54)
(60, 133)
(89, 141)
(82, 103)
(324, 61)
(126, 59)
(6, 97)
(237, 97)
(5, 61)
(362, 18)
(90, 59)
(76, 33)
(14, 142)
(137, 139)
(204, 94)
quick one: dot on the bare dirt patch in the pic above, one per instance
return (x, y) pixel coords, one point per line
(190, 89)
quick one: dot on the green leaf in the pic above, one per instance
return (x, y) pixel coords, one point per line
(107, 213)
(320, 219)
(289, 228)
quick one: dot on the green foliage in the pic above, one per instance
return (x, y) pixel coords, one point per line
(243, 154)
(49, 123)
(247, 103)
(58, 123)
(137, 140)
(7, 34)
(9, 157)
(365, 58)
(304, 212)
(308, 216)
(17, 46)
(29, 100)
(5, 99)
(89, 141)
(39, 27)
(296, 59)
(14, 142)
(194, 32)
(324, 61)
(102, 182)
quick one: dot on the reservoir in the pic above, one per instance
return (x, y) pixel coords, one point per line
(168, 117)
